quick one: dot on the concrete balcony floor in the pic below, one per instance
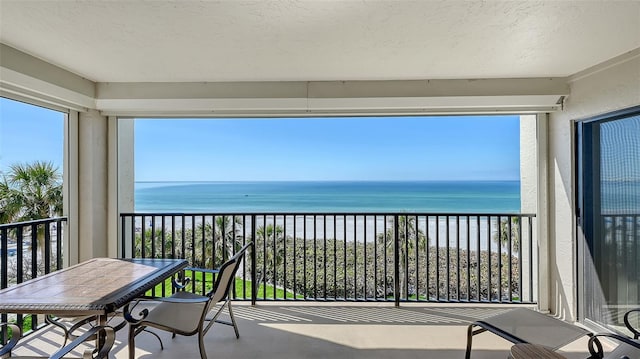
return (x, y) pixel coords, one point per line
(324, 330)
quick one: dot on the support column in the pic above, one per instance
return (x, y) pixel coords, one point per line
(121, 183)
(71, 188)
(528, 202)
(93, 186)
(542, 228)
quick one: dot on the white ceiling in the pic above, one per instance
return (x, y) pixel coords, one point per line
(185, 41)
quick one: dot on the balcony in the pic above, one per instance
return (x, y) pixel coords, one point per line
(326, 285)
(326, 330)
(559, 92)
(347, 285)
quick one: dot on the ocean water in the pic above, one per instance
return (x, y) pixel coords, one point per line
(329, 196)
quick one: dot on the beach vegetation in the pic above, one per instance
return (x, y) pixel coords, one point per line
(288, 266)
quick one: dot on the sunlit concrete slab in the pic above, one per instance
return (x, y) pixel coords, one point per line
(324, 330)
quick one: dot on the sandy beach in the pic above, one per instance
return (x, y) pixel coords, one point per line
(463, 231)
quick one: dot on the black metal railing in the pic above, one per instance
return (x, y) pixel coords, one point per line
(396, 257)
(28, 250)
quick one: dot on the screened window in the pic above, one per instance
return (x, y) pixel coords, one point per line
(609, 198)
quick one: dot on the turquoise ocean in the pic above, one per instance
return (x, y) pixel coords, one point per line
(329, 197)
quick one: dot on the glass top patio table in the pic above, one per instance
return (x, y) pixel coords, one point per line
(98, 286)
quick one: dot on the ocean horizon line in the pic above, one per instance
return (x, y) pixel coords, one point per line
(329, 196)
(320, 181)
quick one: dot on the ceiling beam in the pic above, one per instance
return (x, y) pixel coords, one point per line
(313, 98)
(25, 77)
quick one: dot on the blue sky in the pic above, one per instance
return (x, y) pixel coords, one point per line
(416, 148)
(29, 133)
(384, 148)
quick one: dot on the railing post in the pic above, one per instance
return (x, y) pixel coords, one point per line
(122, 237)
(59, 231)
(35, 247)
(254, 289)
(4, 260)
(396, 261)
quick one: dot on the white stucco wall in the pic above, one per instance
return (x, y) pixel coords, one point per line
(608, 87)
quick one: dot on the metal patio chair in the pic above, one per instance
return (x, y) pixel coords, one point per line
(107, 334)
(185, 313)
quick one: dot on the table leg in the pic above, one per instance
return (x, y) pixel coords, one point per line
(100, 338)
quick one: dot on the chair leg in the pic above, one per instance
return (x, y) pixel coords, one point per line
(469, 340)
(203, 353)
(470, 333)
(157, 337)
(233, 319)
(132, 341)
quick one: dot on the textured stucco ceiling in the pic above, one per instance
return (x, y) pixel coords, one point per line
(149, 41)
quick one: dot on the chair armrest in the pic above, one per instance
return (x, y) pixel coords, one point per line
(106, 332)
(180, 285)
(183, 300)
(635, 331)
(127, 310)
(184, 280)
(16, 333)
(595, 347)
(205, 271)
(194, 269)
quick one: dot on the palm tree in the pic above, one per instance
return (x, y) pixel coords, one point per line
(215, 242)
(503, 235)
(32, 191)
(159, 243)
(408, 232)
(268, 257)
(9, 205)
(37, 189)
(228, 236)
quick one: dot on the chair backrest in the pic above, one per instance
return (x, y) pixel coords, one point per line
(226, 275)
